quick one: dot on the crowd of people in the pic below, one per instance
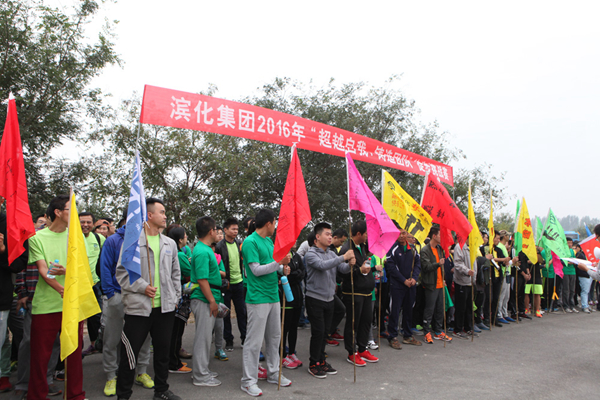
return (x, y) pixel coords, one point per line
(418, 293)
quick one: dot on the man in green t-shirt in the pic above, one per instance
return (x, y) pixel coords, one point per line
(262, 302)
(48, 251)
(205, 300)
(229, 249)
(93, 247)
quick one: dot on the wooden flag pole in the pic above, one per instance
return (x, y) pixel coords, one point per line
(444, 297)
(379, 320)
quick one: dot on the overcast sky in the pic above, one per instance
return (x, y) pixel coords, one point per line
(516, 82)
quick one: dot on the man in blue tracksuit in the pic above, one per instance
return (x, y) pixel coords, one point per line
(113, 318)
(402, 268)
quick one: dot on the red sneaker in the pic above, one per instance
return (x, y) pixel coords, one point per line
(331, 342)
(262, 372)
(337, 336)
(359, 361)
(367, 356)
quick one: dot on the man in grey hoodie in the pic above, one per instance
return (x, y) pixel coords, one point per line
(321, 267)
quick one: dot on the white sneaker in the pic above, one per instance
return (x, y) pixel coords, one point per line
(576, 311)
(371, 345)
(252, 390)
(285, 382)
(568, 310)
(210, 382)
(587, 310)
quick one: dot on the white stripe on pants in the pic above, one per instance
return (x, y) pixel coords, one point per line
(264, 322)
(112, 315)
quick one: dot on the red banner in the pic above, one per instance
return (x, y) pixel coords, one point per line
(589, 246)
(167, 107)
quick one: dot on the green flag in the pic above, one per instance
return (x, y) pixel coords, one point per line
(518, 245)
(553, 238)
(539, 228)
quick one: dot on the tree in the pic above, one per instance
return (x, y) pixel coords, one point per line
(47, 63)
(207, 174)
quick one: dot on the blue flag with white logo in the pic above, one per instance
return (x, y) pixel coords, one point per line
(136, 215)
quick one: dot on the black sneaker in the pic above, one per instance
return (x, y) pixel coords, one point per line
(59, 375)
(328, 369)
(54, 390)
(168, 395)
(229, 346)
(317, 371)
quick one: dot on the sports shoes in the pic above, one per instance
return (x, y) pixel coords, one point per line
(509, 319)
(317, 371)
(470, 333)
(211, 381)
(261, 357)
(586, 310)
(428, 338)
(167, 395)
(371, 345)
(89, 351)
(285, 382)
(289, 363)
(147, 382)
(568, 310)
(395, 344)
(576, 311)
(328, 369)
(110, 389)
(228, 346)
(476, 329)
(359, 361)
(331, 342)
(417, 332)
(54, 390)
(460, 335)
(252, 390)
(524, 316)
(184, 354)
(367, 356)
(412, 340)
(262, 372)
(539, 314)
(503, 321)
(59, 375)
(384, 335)
(183, 370)
(294, 358)
(221, 355)
(337, 336)
(442, 336)
(482, 326)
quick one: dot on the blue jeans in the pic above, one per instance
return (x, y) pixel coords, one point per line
(585, 284)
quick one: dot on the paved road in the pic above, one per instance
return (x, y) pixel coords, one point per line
(556, 357)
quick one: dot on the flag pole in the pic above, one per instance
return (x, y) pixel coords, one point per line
(444, 296)
(351, 267)
(148, 252)
(381, 277)
(281, 345)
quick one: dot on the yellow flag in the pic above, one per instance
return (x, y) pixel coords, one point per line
(475, 239)
(79, 301)
(526, 231)
(491, 231)
(404, 209)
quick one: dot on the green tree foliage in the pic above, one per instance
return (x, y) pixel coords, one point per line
(47, 63)
(207, 174)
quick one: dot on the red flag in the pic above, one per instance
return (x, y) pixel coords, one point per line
(294, 213)
(13, 186)
(446, 239)
(438, 203)
(557, 265)
(589, 245)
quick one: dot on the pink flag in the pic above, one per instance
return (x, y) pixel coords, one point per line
(382, 233)
(557, 265)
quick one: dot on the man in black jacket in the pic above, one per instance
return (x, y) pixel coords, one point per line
(229, 249)
(402, 267)
(364, 283)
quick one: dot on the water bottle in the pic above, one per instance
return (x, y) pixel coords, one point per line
(21, 312)
(286, 289)
(50, 276)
